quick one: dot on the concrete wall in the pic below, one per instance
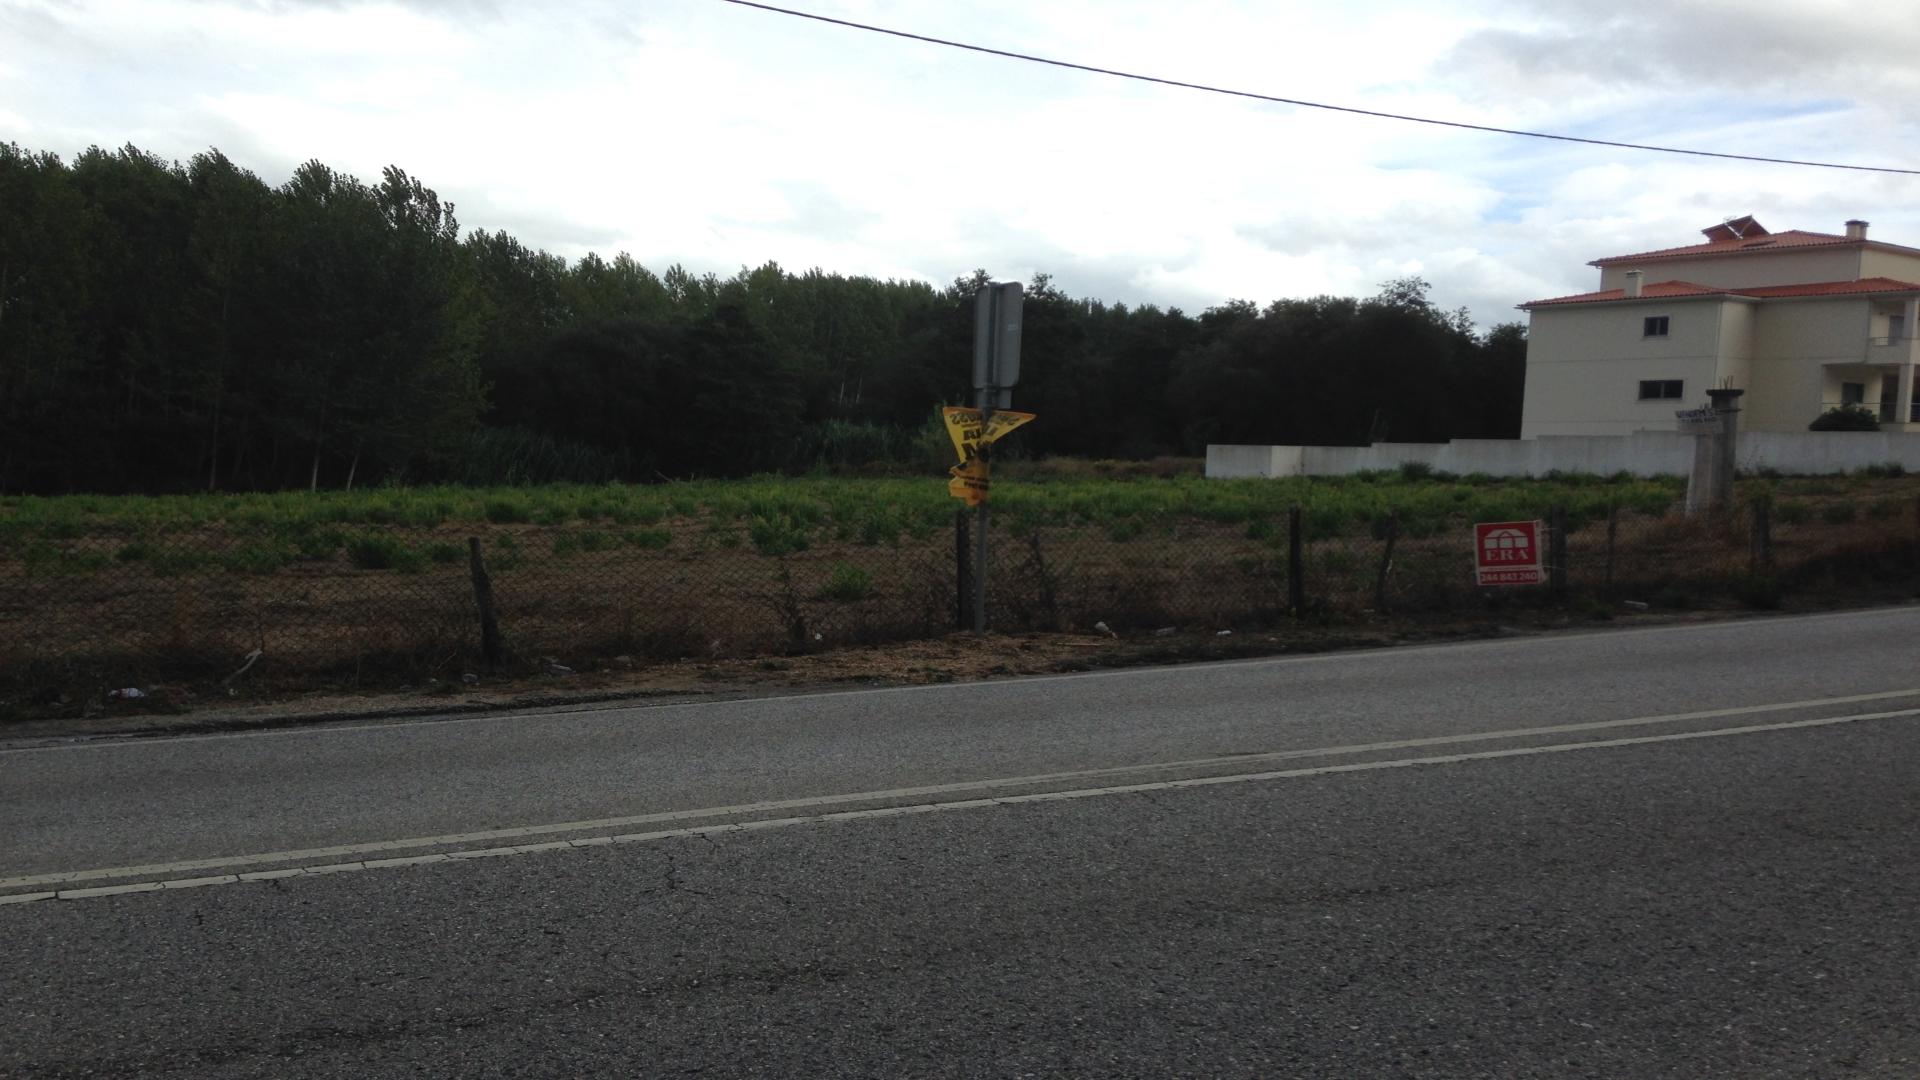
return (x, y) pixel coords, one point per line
(1646, 453)
(1786, 266)
(1585, 363)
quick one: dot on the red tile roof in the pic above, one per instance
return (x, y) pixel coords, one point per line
(1832, 288)
(1792, 238)
(1669, 290)
(1659, 290)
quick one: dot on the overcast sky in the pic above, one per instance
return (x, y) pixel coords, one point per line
(717, 136)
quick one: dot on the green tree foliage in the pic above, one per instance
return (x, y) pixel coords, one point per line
(167, 327)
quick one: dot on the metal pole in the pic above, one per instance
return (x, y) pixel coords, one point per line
(985, 399)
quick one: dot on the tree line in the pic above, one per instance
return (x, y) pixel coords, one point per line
(173, 327)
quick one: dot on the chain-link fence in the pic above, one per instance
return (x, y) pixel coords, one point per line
(133, 606)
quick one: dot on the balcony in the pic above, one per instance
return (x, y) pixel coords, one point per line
(1893, 350)
(1886, 409)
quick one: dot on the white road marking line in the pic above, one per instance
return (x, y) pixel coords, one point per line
(111, 890)
(894, 794)
(561, 712)
(197, 882)
(967, 804)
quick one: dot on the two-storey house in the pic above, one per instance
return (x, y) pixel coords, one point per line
(1801, 321)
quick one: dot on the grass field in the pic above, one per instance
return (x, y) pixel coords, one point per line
(865, 509)
(374, 585)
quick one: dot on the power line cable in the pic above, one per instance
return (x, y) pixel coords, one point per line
(1316, 104)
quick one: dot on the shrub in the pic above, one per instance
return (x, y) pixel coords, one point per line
(444, 553)
(318, 546)
(638, 513)
(379, 551)
(508, 512)
(1884, 471)
(594, 540)
(174, 561)
(879, 528)
(1837, 513)
(257, 559)
(1846, 418)
(778, 535)
(650, 539)
(848, 582)
(506, 551)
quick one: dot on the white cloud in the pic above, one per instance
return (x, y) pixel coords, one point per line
(718, 136)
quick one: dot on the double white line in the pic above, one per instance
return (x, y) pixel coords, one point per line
(157, 877)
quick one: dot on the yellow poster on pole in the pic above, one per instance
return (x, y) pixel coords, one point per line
(970, 482)
(963, 427)
(969, 435)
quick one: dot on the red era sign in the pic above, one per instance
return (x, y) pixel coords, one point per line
(1507, 553)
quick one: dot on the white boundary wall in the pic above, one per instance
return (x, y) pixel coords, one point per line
(1644, 453)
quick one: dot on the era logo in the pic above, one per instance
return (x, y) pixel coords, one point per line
(1507, 553)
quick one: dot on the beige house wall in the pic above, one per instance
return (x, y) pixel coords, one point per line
(1585, 364)
(1799, 349)
(1893, 264)
(1735, 350)
(1747, 271)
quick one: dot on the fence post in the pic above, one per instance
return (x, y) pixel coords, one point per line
(1557, 551)
(1296, 587)
(483, 597)
(1613, 529)
(1760, 537)
(1386, 562)
(962, 572)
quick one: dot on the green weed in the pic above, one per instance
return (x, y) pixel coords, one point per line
(777, 535)
(381, 551)
(649, 539)
(848, 582)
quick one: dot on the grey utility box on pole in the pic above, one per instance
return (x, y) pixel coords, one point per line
(996, 368)
(996, 336)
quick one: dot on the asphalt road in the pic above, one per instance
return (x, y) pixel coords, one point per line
(1672, 853)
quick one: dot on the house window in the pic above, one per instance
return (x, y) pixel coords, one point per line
(1853, 393)
(1659, 389)
(1654, 326)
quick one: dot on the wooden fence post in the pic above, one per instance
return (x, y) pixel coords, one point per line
(1613, 530)
(483, 597)
(1557, 552)
(1296, 587)
(1760, 537)
(1386, 562)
